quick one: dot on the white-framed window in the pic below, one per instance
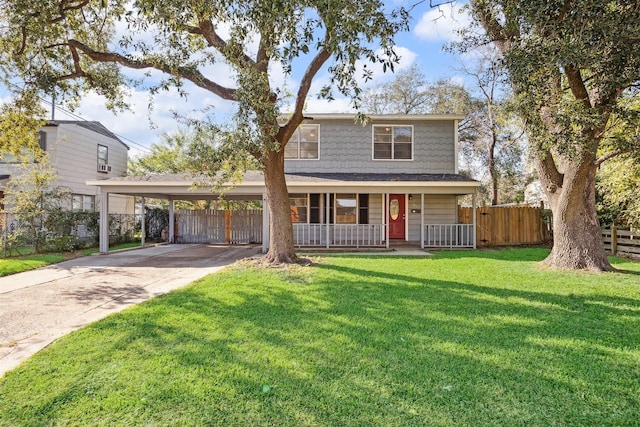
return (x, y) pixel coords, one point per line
(83, 202)
(346, 209)
(298, 205)
(103, 155)
(392, 142)
(304, 144)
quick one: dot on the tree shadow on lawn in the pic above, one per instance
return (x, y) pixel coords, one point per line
(382, 349)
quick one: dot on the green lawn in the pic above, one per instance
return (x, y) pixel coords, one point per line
(13, 265)
(29, 262)
(469, 338)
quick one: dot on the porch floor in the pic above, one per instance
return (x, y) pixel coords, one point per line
(396, 248)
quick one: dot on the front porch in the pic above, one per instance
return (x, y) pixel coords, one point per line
(375, 236)
(327, 210)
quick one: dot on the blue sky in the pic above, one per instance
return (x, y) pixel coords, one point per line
(431, 29)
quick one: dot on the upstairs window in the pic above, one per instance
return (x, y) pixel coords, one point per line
(392, 142)
(103, 155)
(303, 144)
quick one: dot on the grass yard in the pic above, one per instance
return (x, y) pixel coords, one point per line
(29, 262)
(469, 338)
(13, 265)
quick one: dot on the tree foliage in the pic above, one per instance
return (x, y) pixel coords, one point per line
(19, 126)
(32, 198)
(69, 46)
(570, 64)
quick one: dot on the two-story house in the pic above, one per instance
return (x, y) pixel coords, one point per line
(80, 151)
(351, 185)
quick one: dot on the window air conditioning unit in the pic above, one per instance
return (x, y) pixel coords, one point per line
(104, 168)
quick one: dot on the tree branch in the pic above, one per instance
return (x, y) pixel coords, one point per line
(305, 85)
(548, 172)
(576, 83)
(608, 156)
(193, 75)
(235, 55)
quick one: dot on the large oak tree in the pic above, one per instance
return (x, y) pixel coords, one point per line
(70, 46)
(571, 64)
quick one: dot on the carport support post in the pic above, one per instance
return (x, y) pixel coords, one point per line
(422, 221)
(473, 204)
(143, 228)
(265, 224)
(172, 216)
(104, 222)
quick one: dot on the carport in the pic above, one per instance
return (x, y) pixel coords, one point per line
(174, 187)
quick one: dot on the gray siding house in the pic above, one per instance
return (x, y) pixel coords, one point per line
(81, 151)
(394, 179)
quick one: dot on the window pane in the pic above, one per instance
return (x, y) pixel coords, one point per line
(103, 155)
(309, 133)
(345, 208)
(402, 151)
(88, 203)
(382, 151)
(291, 149)
(402, 134)
(308, 150)
(382, 134)
(76, 202)
(298, 204)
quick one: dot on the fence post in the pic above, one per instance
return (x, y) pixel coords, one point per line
(614, 240)
(227, 226)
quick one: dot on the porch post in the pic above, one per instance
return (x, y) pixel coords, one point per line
(143, 226)
(172, 216)
(473, 204)
(421, 220)
(104, 222)
(327, 215)
(386, 216)
(265, 224)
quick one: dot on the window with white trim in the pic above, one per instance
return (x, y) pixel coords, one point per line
(304, 144)
(392, 142)
(346, 209)
(298, 206)
(83, 203)
(103, 155)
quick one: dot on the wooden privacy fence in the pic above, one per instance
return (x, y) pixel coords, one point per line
(218, 226)
(623, 242)
(506, 225)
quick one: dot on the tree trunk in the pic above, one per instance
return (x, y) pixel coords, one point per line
(281, 249)
(577, 239)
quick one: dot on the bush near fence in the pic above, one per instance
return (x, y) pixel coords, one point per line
(508, 225)
(64, 231)
(621, 242)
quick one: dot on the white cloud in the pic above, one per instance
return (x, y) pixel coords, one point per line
(442, 23)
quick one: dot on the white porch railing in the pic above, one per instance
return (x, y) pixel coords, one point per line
(344, 235)
(449, 236)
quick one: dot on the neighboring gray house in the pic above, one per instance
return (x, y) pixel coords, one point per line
(393, 179)
(81, 151)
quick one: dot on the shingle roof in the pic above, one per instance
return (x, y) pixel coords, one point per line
(256, 176)
(96, 127)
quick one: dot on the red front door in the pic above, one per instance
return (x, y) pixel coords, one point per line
(396, 210)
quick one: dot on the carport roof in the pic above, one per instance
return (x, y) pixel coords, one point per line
(201, 186)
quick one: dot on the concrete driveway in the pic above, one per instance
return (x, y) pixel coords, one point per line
(39, 306)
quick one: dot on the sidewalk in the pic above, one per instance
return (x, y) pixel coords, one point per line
(39, 306)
